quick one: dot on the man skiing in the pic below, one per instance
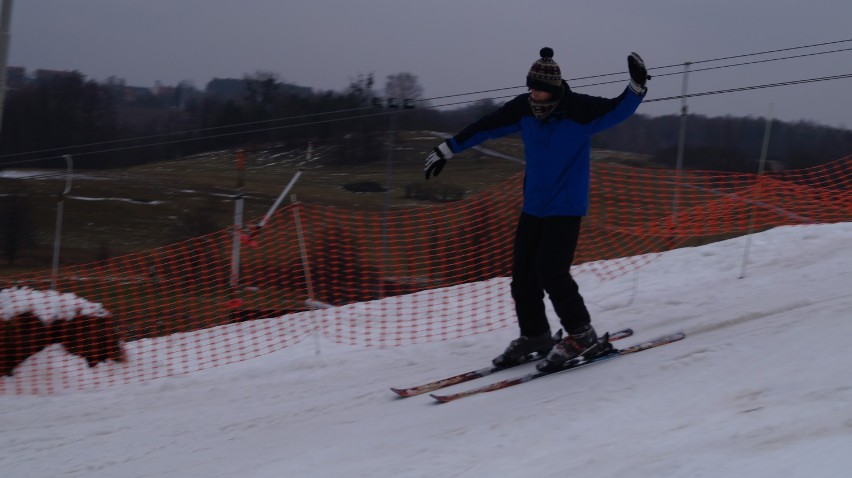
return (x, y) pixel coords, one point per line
(556, 126)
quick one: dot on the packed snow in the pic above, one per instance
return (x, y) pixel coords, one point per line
(760, 387)
(47, 305)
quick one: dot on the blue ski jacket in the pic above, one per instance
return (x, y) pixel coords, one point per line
(556, 148)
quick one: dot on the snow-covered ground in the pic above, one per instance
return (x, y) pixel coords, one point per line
(43, 174)
(761, 387)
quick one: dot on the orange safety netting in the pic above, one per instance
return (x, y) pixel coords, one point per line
(363, 278)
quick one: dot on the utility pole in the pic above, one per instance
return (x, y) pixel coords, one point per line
(5, 37)
(681, 144)
(392, 105)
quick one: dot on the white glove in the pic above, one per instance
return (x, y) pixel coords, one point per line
(436, 161)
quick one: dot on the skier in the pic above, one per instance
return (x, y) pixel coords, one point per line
(556, 126)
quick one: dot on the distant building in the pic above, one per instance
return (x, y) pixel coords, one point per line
(235, 89)
(16, 77)
(134, 93)
(47, 75)
(161, 90)
(226, 89)
(176, 96)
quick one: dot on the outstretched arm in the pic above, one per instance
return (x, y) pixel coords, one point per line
(504, 121)
(626, 103)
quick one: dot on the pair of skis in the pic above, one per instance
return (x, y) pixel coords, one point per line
(573, 364)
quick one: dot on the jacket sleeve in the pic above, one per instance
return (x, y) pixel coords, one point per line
(610, 112)
(506, 120)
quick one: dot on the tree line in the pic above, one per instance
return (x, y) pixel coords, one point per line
(107, 125)
(728, 143)
(104, 127)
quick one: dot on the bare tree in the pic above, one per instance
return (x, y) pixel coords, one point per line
(18, 230)
(403, 86)
(360, 88)
(262, 89)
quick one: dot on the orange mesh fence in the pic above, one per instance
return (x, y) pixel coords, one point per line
(363, 278)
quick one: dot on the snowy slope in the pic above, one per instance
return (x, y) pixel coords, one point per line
(761, 387)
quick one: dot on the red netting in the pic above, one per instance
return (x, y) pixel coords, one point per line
(363, 278)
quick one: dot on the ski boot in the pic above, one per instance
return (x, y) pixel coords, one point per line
(582, 342)
(521, 349)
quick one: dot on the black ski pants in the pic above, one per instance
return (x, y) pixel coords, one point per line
(543, 253)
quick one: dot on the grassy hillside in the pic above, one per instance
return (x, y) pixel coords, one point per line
(113, 212)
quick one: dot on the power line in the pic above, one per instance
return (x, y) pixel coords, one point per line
(200, 138)
(177, 133)
(761, 53)
(680, 65)
(668, 98)
(729, 66)
(352, 110)
(733, 57)
(754, 87)
(707, 93)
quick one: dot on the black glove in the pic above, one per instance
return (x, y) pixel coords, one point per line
(436, 161)
(638, 73)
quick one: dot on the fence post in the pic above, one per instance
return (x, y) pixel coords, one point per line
(386, 259)
(250, 237)
(60, 208)
(307, 268)
(681, 144)
(239, 204)
(760, 168)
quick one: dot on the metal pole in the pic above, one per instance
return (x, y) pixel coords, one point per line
(60, 207)
(239, 204)
(389, 166)
(388, 188)
(5, 39)
(281, 196)
(760, 168)
(681, 144)
(289, 186)
(307, 268)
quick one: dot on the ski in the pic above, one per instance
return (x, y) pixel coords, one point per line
(576, 363)
(474, 374)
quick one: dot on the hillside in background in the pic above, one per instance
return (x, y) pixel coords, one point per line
(111, 125)
(123, 210)
(728, 143)
(118, 211)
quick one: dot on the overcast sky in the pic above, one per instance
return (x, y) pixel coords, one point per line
(454, 46)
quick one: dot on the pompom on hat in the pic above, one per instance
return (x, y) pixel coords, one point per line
(545, 74)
